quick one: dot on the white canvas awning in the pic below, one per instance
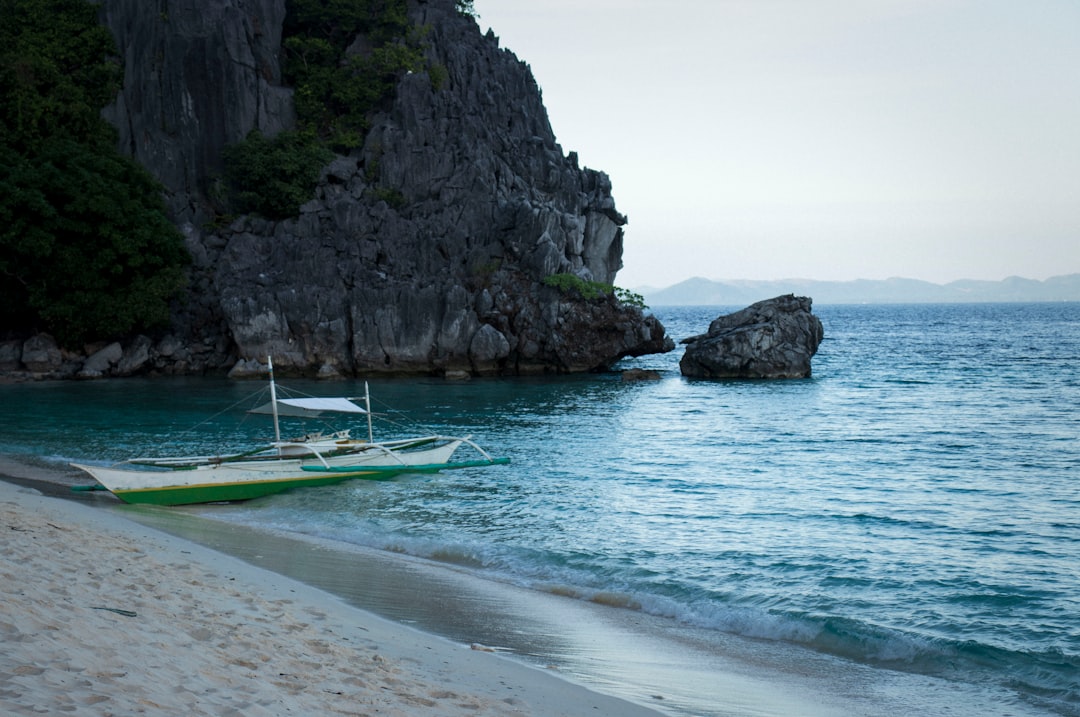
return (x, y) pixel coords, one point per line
(309, 407)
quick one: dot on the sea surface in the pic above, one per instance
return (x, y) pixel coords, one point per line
(899, 533)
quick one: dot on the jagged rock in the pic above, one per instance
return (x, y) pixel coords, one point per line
(775, 338)
(101, 362)
(487, 348)
(135, 357)
(198, 75)
(40, 354)
(248, 368)
(446, 277)
(328, 372)
(10, 355)
(170, 346)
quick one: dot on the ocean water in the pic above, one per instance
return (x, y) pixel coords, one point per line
(908, 519)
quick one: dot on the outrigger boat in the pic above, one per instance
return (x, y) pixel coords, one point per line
(315, 460)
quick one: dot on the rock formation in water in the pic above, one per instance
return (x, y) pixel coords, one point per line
(775, 338)
(446, 276)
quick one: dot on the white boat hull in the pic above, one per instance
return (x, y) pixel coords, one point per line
(241, 480)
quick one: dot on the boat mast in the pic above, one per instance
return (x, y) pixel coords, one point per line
(367, 406)
(273, 403)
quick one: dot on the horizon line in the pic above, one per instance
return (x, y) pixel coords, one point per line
(852, 281)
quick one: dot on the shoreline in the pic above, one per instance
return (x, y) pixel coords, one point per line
(101, 611)
(597, 649)
(533, 653)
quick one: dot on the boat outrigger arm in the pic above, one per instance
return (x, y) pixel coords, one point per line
(183, 462)
(394, 449)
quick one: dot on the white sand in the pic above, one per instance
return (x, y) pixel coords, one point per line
(103, 616)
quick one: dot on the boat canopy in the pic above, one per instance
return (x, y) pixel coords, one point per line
(309, 407)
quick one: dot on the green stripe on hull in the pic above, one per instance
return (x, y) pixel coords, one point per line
(218, 492)
(421, 468)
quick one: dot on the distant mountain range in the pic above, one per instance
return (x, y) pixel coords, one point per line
(706, 292)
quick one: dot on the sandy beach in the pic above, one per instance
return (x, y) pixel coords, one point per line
(104, 616)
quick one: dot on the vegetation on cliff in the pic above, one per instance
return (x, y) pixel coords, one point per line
(589, 290)
(336, 87)
(273, 177)
(86, 251)
(343, 58)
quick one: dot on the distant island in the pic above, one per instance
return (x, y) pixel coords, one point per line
(706, 292)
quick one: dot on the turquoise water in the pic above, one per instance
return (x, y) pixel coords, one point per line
(913, 508)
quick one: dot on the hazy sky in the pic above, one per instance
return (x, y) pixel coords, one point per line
(821, 139)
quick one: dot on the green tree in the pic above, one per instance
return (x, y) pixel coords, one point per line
(335, 90)
(340, 21)
(273, 177)
(334, 93)
(58, 68)
(589, 290)
(86, 250)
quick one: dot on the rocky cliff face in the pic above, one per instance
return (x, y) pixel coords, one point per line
(485, 205)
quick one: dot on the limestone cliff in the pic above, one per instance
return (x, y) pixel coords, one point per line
(446, 278)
